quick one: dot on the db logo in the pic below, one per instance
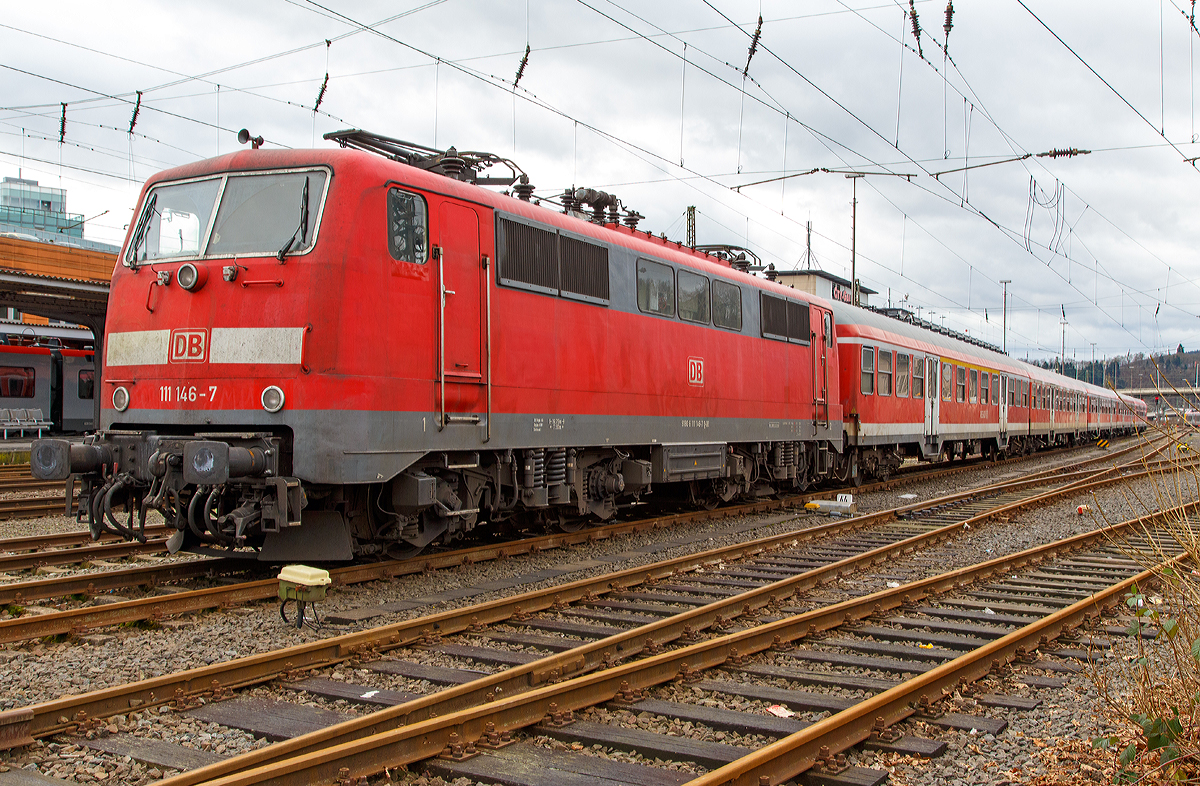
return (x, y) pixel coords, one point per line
(189, 346)
(696, 371)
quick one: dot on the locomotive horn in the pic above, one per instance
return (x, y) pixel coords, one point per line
(244, 137)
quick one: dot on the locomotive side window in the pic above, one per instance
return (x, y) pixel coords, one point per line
(17, 382)
(693, 297)
(974, 392)
(868, 370)
(961, 390)
(655, 288)
(918, 380)
(885, 372)
(902, 365)
(947, 381)
(408, 227)
(87, 383)
(726, 305)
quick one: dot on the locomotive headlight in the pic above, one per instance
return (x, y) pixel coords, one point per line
(272, 399)
(191, 277)
(121, 398)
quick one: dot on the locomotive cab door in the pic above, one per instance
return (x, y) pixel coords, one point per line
(932, 400)
(822, 342)
(462, 313)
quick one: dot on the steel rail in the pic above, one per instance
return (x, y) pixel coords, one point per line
(65, 539)
(17, 593)
(32, 507)
(85, 553)
(78, 620)
(326, 755)
(583, 659)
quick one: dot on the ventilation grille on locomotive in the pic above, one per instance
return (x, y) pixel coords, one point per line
(584, 269)
(544, 261)
(785, 319)
(529, 257)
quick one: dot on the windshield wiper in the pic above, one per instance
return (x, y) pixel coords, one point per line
(139, 232)
(302, 231)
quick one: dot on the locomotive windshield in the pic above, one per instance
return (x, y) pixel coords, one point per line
(235, 214)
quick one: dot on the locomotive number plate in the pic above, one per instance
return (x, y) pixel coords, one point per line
(186, 394)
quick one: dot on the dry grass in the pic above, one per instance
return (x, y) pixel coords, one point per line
(1152, 689)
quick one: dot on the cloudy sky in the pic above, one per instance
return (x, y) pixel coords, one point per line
(648, 101)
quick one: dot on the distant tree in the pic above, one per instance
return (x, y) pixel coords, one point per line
(1179, 351)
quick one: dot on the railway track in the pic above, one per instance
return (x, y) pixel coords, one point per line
(27, 553)
(788, 569)
(929, 638)
(78, 620)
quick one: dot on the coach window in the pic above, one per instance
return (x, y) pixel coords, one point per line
(974, 391)
(655, 288)
(995, 388)
(408, 227)
(885, 372)
(868, 370)
(87, 383)
(902, 364)
(726, 305)
(984, 396)
(960, 391)
(693, 297)
(918, 372)
(947, 381)
(16, 382)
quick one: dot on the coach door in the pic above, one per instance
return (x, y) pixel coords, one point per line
(462, 280)
(822, 342)
(933, 378)
(1003, 407)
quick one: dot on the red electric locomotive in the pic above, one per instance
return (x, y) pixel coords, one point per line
(323, 354)
(912, 391)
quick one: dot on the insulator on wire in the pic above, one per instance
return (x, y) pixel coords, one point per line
(137, 108)
(321, 92)
(521, 68)
(1066, 152)
(916, 26)
(62, 125)
(753, 46)
(949, 21)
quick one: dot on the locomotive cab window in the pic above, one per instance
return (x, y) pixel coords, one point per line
(87, 383)
(828, 322)
(655, 288)
(726, 305)
(693, 297)
(868, 371)
(17, 382)
(240, 213)
(902, 364)
(408, 227)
